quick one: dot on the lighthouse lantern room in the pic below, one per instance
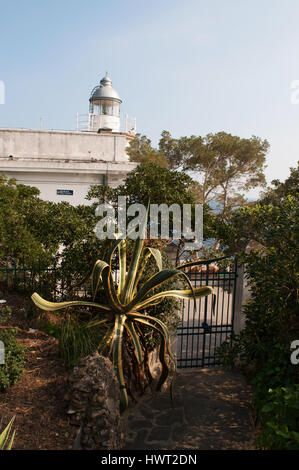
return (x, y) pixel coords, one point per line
(104, 108)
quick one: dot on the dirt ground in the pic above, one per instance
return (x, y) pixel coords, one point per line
(37, 399)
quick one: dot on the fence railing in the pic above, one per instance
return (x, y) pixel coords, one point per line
(50, 282)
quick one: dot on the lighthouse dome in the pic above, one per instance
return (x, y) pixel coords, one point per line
(104, 91)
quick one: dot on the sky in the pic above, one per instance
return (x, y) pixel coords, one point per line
(187, 66)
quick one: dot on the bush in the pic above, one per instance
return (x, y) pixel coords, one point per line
(262, 349)
(5, 313)
(280, 419)
(12, 370)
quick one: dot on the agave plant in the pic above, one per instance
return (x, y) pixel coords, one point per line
(127, 301)
(6, 440)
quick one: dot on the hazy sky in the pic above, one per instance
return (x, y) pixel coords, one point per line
(187, 66)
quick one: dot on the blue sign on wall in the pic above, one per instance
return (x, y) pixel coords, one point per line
(65, 192)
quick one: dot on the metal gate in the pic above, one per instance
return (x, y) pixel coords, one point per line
(202, 330)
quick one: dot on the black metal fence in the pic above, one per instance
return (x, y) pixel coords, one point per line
(49, 282)
(203, 329)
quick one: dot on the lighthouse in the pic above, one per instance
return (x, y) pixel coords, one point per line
(104, 108)
(63, 164)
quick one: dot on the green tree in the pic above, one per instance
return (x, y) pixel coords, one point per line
(148, 181)
(140, 150)
(34, 231)
(261, 223)
(159, 185)
(279, 190)
(16, 238)
(225, 165)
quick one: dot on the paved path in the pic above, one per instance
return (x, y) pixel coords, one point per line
(211, 411)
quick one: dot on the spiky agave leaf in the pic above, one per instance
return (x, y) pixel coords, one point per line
(130, 327)
(116, 350)
(96, 276)
(148, 252)
(5, 435)
(157, 256)
(122, 256)
(161, 328)
(199, 262)
(132, 274)
(180, 294)
(155, 281)
(52, 306)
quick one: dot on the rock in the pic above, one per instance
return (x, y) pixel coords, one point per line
(94, 404)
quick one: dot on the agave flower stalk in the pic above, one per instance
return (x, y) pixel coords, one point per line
(126, 304)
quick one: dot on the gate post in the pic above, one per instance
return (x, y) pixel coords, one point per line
(238, 320)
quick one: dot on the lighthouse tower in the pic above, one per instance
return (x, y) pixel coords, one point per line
(63, 164)
(104, 108)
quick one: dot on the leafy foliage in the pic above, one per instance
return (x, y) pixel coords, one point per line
(280, 415)
(12, 370)
(279, 191)
(148, 182)
(262, 349)
(160, 185)
(140, 150)
(224, 163)
(30, 228)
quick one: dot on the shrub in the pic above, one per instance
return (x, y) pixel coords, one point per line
(5, 313)
(12, 369)
(280, 419)
(262, 349)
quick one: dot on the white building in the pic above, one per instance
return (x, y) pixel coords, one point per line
(63, 164)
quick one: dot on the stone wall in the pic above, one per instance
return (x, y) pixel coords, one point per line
(94, 405)
(93, 402)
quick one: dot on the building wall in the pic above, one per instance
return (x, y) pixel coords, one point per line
(64, 160)
(27, 143)
(50, 184)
